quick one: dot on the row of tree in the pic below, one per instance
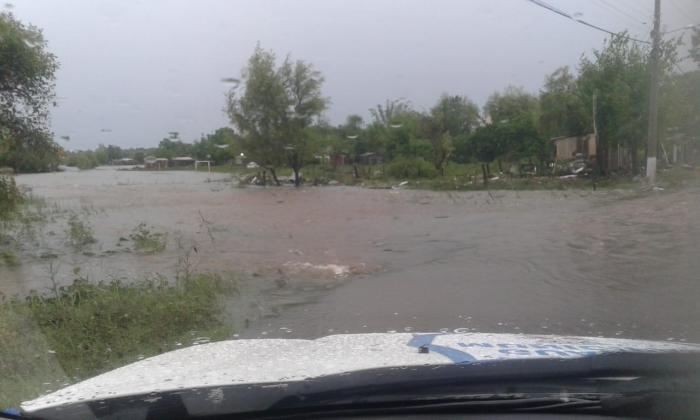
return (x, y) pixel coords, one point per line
(277, 111)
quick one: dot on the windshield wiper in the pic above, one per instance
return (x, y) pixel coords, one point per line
(495, 403)
(655, 405)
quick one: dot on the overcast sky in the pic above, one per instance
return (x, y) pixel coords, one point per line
(144, 68)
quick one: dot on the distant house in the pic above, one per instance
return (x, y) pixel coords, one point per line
(567, 148)
(151, 162)
(182, 161)
(124, 161)
(371, 158)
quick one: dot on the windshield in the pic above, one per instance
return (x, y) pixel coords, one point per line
(179, 173)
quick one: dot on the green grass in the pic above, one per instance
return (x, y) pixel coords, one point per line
(80, 233)
(10, 196)
(678, 177)
(468, 177)
(148, 241)
(88, 328)
(8, 258)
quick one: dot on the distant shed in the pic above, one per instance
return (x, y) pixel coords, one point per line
(182, 161)
(151, 162)
(567, 148)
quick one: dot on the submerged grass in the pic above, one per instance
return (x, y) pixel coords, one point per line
(148, 241)
(87, 328)
(80, 233)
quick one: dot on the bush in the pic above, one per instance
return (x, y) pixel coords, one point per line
(10, 196)
(88, 328)
(82, 160)
(148, 241)
(411, 168)
(79, 232)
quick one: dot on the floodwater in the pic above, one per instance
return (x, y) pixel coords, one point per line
(323, 260)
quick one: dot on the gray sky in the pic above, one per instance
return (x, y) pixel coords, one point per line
(144, 68)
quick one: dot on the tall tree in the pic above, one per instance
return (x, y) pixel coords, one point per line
(679, 108)
(26, 91)
(510, 104)
(562, 109)
(220, 146)
(452, 116)
(272, 109)
(305, 104)
(391, 112)
(618, 75)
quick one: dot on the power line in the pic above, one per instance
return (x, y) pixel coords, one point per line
(621, 12)
(680, 9)
(639, 8)
(682, 14)
(553, 9)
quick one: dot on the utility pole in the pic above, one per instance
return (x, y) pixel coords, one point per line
(653, 133)
(597, 171)
(595, 133)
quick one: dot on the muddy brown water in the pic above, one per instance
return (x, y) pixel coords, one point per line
(317, 261)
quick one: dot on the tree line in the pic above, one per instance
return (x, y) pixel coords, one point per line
(276, 109)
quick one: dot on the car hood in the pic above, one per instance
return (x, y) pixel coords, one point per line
(270, 361)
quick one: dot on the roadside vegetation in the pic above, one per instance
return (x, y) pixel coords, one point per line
(10, 196)
(26, 94)
(81, 330)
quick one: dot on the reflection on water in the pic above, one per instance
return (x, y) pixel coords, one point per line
(565, 262)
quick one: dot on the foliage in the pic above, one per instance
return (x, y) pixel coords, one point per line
(273, 107)
(88, 328)
(391, 113)
(80, 233)
(220, 146)
(679, 110)
(510, 104)
(148, 241)
(28, 149)
(10, 196)
(83, 159)
(26, 91)
(172, 146)
(455, 115)
(450, 117)
(511, 140)
(106, 154)
(410, 168)
(618, 75)
(562, 109)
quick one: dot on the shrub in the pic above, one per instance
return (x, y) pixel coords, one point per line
(148, 241)
(87, 328)
(10, 196)
(411, 168)
(79, 232)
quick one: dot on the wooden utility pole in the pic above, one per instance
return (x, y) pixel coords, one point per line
(597, 168)
(653, 132)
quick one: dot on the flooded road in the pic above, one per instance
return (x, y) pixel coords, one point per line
(317, 261)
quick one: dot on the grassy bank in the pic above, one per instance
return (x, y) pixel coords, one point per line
(468, 177)
(84, 329)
